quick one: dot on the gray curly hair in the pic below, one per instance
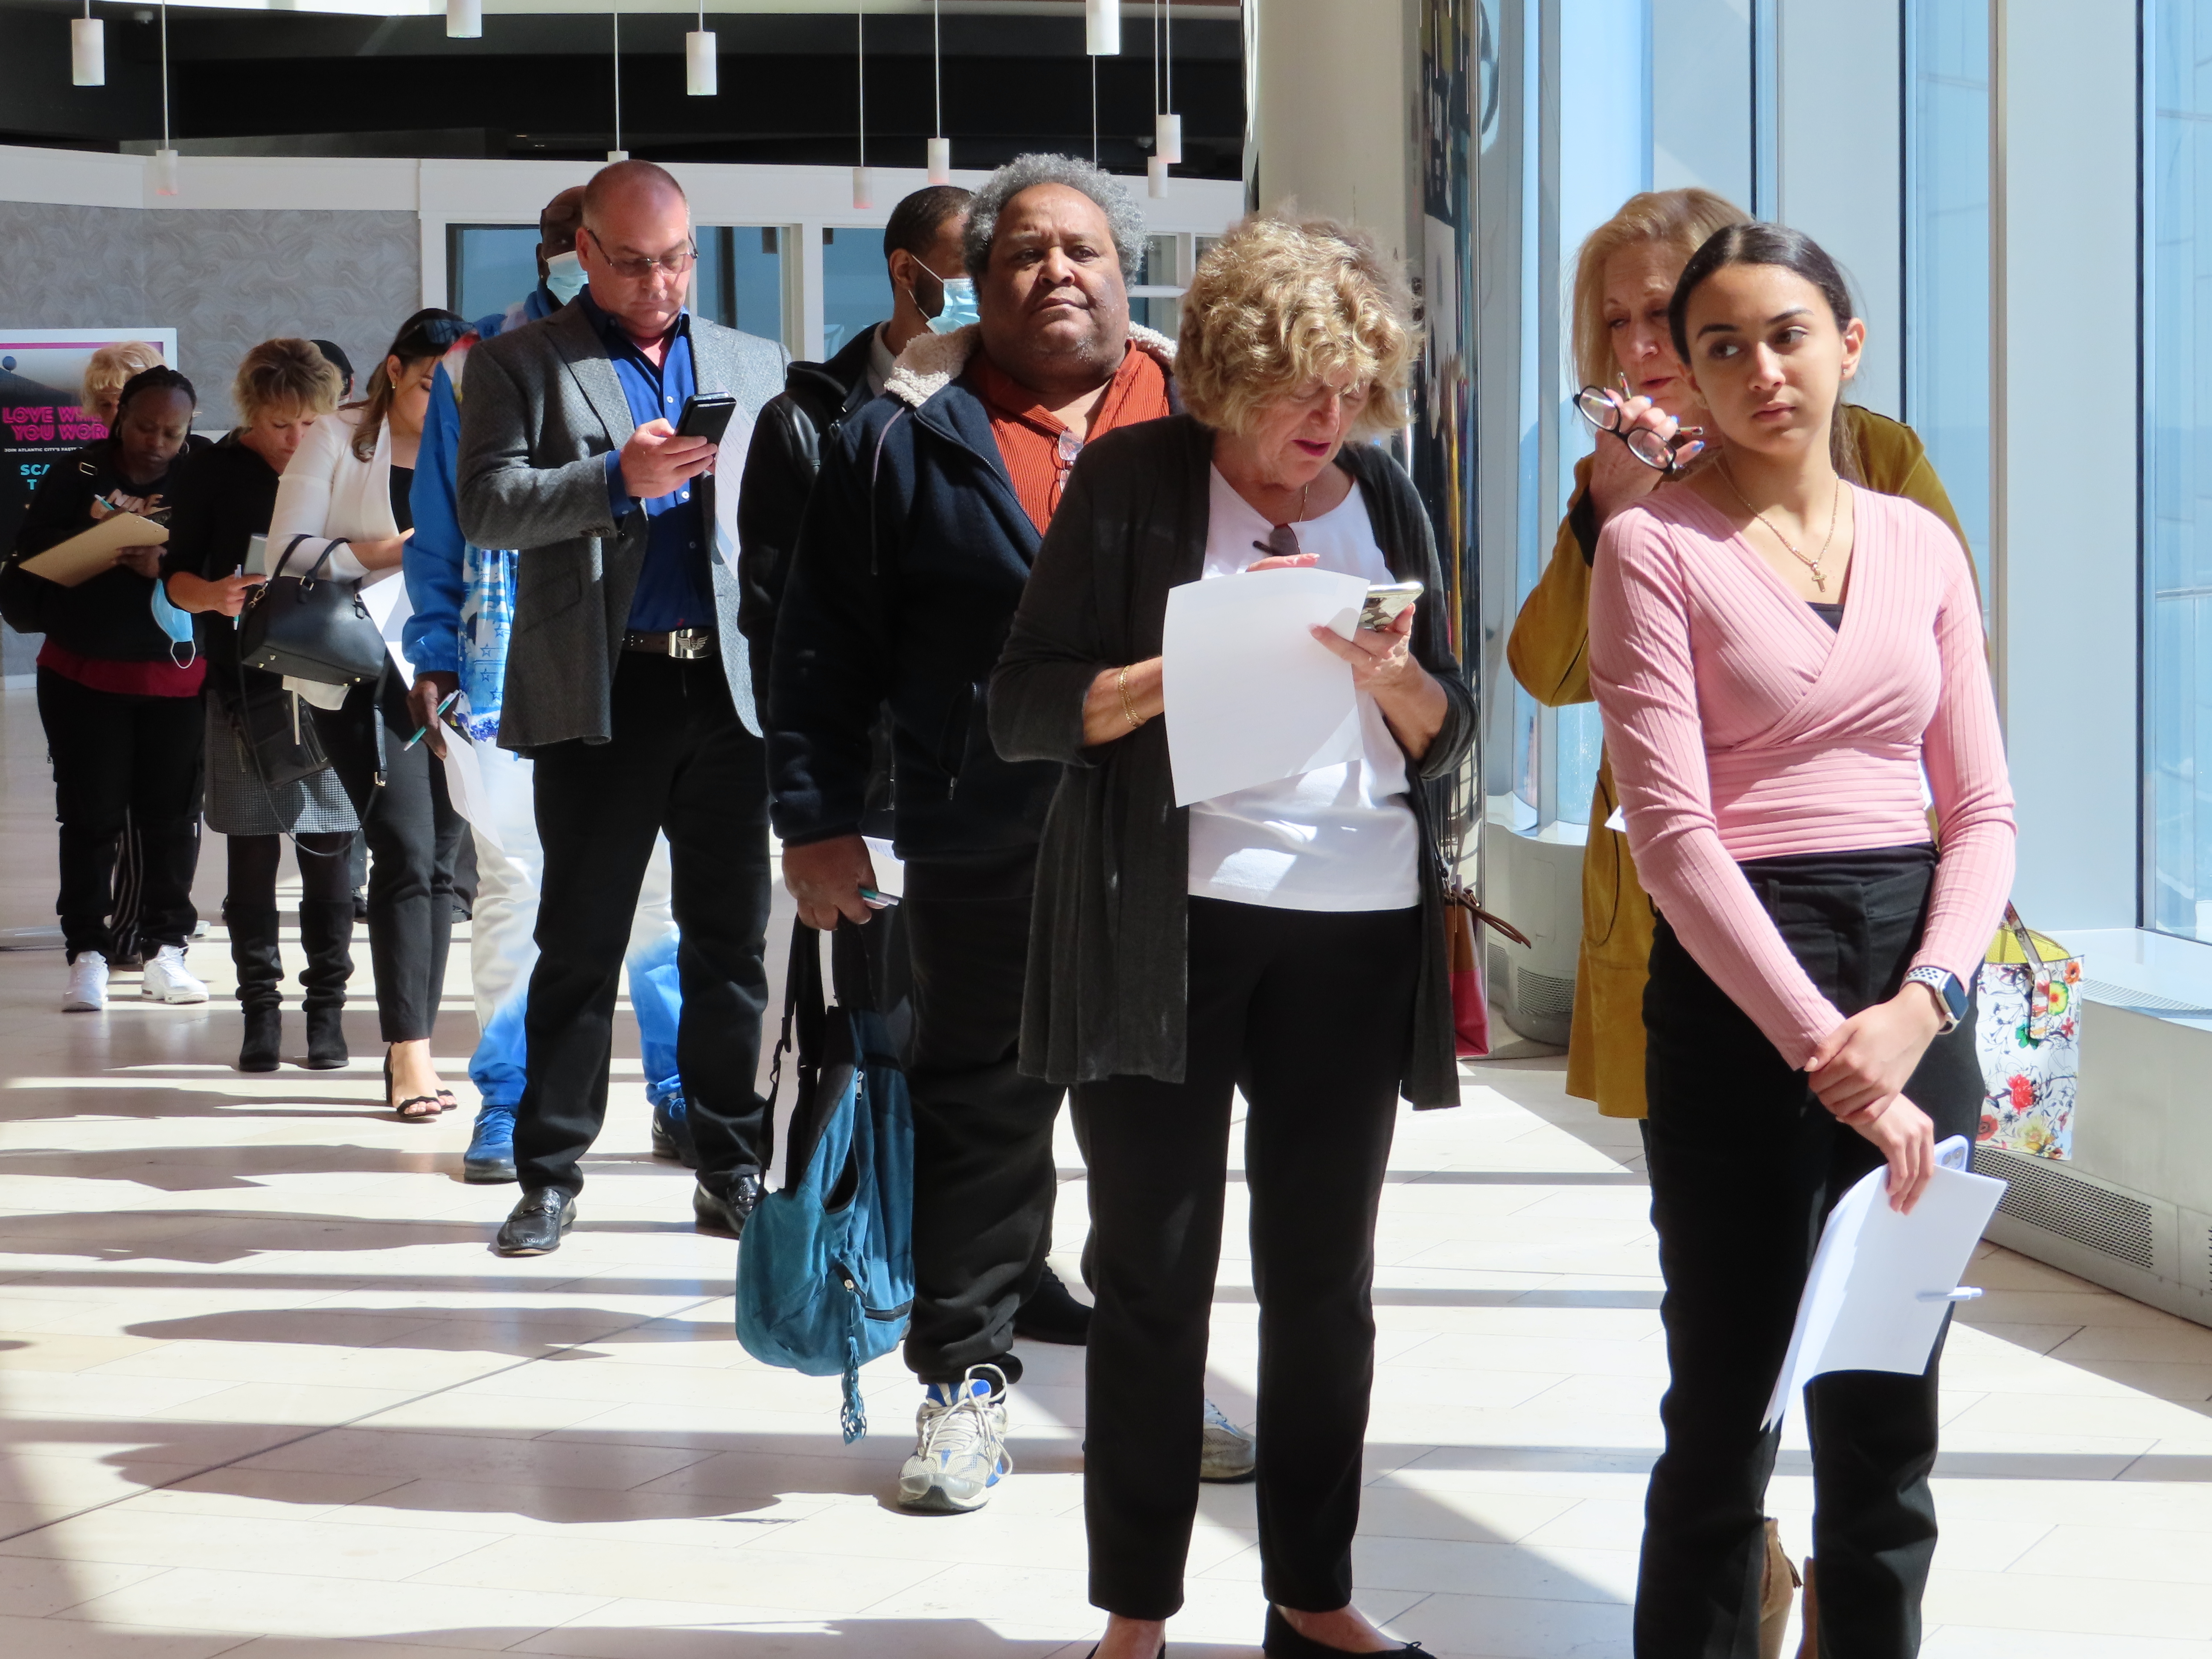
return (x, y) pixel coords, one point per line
(1125, 219)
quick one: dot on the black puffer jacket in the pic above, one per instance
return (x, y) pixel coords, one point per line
(110, 617)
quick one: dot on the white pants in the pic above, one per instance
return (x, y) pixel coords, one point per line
(504, 946)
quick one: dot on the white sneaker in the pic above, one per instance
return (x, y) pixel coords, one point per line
(1227, 1454)
(167, 979)
(960, 1446)
(87, 984)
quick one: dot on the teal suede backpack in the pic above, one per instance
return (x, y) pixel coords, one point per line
(825, 1270)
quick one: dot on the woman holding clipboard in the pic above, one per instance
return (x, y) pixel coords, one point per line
(119, 694)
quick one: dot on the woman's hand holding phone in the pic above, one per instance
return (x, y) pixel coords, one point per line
(1905, 1138)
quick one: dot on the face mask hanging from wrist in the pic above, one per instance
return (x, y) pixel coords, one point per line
(564, 276)
(176, 623)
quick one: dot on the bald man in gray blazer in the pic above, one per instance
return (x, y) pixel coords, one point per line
(628, 685)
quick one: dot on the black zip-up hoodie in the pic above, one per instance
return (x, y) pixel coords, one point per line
(110, 617)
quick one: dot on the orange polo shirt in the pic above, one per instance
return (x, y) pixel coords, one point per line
(1038, 447)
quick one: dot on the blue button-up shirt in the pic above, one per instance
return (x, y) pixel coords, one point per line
(675, 589)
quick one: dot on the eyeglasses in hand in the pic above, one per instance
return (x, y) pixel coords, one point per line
(1601, 409)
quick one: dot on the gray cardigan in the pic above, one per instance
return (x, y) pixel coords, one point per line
(1106, 994)
(540, 409)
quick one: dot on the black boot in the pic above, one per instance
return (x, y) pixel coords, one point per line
(253, 952)
(326, 931)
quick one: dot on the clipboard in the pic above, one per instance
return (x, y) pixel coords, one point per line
(89, 552)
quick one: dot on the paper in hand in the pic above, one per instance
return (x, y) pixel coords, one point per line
(385, 597)
(464, 787)
(87, 553)
(1251, 696)
(1881, 1282)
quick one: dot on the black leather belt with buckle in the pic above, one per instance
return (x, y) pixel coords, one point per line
(685, 644)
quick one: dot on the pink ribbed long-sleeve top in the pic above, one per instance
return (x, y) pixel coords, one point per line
(1741, 726)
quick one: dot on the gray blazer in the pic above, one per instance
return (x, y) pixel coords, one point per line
(542, 411)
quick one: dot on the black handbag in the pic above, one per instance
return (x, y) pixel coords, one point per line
(276, 740)
(310, 627)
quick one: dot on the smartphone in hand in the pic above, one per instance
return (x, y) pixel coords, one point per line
(1387, 601)
(706, 415)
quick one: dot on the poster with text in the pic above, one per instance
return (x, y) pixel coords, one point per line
(41, 384)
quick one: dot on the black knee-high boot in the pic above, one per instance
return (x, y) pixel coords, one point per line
(326, 931)
(261, 970)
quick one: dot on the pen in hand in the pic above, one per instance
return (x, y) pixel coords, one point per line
(452, 697)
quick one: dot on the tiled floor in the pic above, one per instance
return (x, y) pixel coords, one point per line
(263, 1390)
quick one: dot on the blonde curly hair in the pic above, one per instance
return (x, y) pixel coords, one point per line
(285, 372)
(1279, 303)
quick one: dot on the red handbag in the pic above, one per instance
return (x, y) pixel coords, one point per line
(1470, 997)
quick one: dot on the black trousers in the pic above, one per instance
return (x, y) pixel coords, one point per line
(414, 835)
(1309, 1013)
(983, 1174)
(119, 759)
(679, 762)
(1745, 1164)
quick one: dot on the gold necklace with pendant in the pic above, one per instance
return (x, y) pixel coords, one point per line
(1813, 563)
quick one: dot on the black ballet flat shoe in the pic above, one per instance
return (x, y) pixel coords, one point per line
(1283, 1641)
(1094, 1651)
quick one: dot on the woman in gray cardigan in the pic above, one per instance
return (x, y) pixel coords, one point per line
(1287, 939)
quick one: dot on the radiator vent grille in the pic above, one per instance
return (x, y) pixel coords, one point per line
(2063, 1205)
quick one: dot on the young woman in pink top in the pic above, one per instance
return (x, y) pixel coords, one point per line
(1779, 654)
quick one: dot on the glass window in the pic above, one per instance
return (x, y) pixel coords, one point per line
(488, 267)
(2177, 370)
(856, 286)
(1162, 309)
(740, 279)
(1947, 252)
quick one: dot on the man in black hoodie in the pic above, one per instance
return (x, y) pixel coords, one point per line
(921, 249)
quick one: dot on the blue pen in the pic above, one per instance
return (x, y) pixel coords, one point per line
(421, 731)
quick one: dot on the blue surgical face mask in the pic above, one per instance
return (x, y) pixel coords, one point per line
(564, 276)
(957, 309)
(174, 623)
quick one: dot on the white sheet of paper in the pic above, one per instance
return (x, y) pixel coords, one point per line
(389, 607)
(891, 873)
(465, 786)
(1876, 1296)
(1251, 696)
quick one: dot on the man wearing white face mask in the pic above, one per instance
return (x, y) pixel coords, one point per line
(464, 611)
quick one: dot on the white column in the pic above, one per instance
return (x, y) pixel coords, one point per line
(1336, 117)
(2065, 445)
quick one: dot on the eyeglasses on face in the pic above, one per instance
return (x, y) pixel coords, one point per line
(677, 262)
(1601, 409)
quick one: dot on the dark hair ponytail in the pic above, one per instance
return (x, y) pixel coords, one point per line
(1757, 243)
(430, 333)
(159, 378)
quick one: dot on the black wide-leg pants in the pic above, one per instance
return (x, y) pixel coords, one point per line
(1745, 1164)
(679, 762)
(1309, 1013)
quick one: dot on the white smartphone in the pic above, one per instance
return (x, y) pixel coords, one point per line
(1387, 601)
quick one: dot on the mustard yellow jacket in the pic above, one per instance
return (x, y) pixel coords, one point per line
(1549, 653)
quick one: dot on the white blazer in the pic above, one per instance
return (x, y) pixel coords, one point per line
(328, 495)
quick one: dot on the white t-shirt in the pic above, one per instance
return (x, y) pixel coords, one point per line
(1344, 837)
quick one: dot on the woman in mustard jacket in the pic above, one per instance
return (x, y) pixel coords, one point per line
(1624, 277)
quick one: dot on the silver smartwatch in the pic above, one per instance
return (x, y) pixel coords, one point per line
(1948, 992)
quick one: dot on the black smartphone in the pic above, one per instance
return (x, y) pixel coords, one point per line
(706, 415)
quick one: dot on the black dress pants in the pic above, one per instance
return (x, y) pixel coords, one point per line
(1745, 1164)
(1309, 1013)
(414, 835)
(679, 762)
(120, 760)
(983, 1174)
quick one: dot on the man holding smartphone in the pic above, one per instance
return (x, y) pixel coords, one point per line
(627, 682)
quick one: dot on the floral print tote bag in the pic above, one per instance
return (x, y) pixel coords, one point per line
(2028, 1036)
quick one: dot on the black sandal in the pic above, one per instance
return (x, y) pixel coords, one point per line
(399, 1107)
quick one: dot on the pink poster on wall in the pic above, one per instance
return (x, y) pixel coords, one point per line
(41, 394)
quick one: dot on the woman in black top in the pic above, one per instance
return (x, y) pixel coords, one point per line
(118, 695)
(282, 388)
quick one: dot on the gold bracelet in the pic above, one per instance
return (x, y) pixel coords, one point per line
(1129, 714)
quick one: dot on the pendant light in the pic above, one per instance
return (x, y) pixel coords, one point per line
(165, 159)
(940, 148)
(699, 58)
(617, 154)
(1155, 164)
(1167, 126)
(463, 19)
(1101, 27)
(88, 49)
(864, 187)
